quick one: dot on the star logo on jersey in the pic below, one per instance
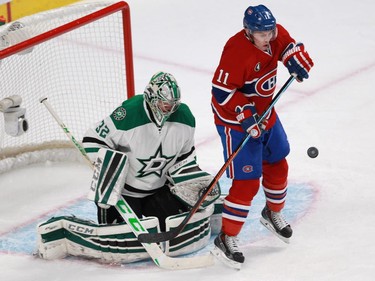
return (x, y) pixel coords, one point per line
(155, 164)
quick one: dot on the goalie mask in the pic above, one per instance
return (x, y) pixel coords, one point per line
(163, 96)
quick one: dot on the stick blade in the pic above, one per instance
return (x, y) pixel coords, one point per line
(186, 262)
(159, 236)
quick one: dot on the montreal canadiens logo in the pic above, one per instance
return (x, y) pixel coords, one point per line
(266, 85)
(247, 169)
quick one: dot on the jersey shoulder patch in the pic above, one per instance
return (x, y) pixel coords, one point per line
(130, 114)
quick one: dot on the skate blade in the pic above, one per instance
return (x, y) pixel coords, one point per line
(272, 229)
(216, 252)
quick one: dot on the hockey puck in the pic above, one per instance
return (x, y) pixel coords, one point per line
(312, 152)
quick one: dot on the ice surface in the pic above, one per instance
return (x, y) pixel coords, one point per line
(331, 197)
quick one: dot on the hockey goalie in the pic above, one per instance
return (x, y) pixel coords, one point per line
(143, 152)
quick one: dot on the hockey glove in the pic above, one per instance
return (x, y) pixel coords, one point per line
(188, 182)
(297, 61)
(248, 119)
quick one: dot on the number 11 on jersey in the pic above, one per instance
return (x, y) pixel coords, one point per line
(226, 74)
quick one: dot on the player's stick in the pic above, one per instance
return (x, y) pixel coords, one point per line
(168, 235)
(157, 255)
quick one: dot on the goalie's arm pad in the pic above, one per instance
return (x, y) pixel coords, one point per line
(110, 170)
(188, 181)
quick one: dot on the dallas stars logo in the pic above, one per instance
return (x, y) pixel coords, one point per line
(119, 114)
(155, 164)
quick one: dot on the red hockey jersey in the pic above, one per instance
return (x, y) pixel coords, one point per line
(246, 75)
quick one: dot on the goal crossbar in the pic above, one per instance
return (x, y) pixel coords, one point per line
(120, 6)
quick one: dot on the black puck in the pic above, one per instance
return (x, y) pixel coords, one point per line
(312, 152)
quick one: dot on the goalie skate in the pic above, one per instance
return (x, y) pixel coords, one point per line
(226, 250)
(275, 222)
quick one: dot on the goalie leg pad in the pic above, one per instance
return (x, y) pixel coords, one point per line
(110, 170)
(63, 236)
(195, 236)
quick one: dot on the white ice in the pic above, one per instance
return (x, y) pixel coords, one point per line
(333, 110)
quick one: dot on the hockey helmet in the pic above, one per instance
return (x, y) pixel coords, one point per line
(259, 18)
(163, 96)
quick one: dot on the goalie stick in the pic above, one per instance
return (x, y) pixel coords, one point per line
(126, 212)
(168, 235)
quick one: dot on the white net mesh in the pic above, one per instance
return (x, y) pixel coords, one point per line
(82, 72)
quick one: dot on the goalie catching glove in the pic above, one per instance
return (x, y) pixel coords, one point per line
(188, 182)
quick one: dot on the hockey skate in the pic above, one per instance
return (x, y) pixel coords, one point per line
(226, 250)
(275, 222)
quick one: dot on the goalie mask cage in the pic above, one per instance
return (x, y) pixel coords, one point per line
(80, 58)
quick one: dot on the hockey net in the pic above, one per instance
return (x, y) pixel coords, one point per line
(80, 57)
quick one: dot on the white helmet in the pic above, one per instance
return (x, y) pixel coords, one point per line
(163, 96)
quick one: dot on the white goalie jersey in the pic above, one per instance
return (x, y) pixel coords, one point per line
(151, 150)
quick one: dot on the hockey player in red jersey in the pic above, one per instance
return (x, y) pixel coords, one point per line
(242, 87)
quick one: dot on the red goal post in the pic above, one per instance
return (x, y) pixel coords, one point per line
(80, 57)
